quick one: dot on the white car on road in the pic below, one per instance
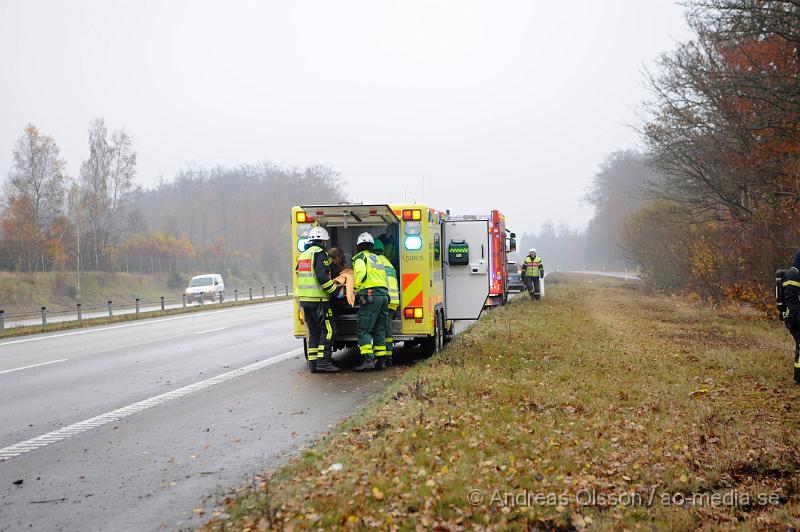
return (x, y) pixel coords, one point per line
(207, 286)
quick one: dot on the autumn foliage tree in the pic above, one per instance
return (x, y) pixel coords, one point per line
(722, 128)
(35, 200)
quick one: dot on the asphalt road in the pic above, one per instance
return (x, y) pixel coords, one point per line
(134, 425)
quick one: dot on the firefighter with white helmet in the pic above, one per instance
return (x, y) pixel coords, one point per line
(314, 290)
(532, 272)
(371, 285)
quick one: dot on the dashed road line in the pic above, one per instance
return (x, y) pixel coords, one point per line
(12, 451)
(212, 330)
(34, 365)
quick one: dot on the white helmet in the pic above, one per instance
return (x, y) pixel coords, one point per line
(532, 251)
(364, 238)
(318, 233)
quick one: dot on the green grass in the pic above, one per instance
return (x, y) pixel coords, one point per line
(596, 390)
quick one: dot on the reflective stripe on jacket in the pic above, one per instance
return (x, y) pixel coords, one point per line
(391, 279)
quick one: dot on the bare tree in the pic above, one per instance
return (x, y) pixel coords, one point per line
(37, 176)
(107, 182)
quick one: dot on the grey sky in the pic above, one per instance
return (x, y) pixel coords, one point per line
(497, 104)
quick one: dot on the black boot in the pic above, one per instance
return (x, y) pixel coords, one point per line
(312, 366)
(380, 363)
(796, 367)
(324, 364)
(389, 361)
(367, 365)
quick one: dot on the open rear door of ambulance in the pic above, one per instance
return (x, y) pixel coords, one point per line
(467, 277)
(351, 215)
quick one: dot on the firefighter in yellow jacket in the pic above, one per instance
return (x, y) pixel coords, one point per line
(373, 303)
(532, 272)
(394, 298)
(314, 290)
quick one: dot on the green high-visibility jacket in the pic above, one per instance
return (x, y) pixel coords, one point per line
(368, 272)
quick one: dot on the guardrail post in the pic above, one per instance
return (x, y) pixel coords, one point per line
(162, 303)
(44, 316)
(78, 308)
(2, 320)
(251, 293)
(213, 296)
(137, 305)
(263, 292)
(110, 309)
(184, 300)
(287, 289)
(202, 299)
(221, 297)
(275, 290)
(235, 295)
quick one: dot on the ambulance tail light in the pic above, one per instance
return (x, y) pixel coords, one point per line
(412, 313)
(302, 217)
(412, 215)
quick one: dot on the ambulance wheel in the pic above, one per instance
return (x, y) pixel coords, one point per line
(431, 344)
(439, 332)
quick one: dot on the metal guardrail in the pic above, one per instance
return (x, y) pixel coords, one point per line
(47, 315)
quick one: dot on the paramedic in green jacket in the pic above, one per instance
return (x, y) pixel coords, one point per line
(372, 292)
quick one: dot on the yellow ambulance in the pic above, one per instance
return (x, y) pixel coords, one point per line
(442, 267)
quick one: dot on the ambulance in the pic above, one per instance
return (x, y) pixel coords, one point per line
(443, 266)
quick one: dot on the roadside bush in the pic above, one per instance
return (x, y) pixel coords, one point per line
(176, 281)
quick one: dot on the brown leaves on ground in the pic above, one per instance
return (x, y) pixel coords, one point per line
(576, 412)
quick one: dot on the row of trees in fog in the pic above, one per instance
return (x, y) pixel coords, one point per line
(53, 221)
(102, 220)
(722, 130)
(710, 205)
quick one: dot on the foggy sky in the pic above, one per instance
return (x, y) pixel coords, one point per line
(526, 97)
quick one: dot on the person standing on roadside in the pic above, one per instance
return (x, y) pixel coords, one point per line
(314, 290)
(791, 317)
(532, 272)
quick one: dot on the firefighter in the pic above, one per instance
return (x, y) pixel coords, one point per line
(394, 298)
(372, 292)
(314, 290)
(791, 297)
(532, 271)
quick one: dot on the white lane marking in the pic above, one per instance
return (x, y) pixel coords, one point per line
(137, 323)
(12, 451)
(34, 365)
(212, 330)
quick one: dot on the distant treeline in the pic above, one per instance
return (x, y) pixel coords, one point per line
(235, 217)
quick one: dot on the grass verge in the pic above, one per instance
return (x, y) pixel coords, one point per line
(595, 408)
(92, 322)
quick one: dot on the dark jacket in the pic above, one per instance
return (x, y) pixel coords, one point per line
(791, 288)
